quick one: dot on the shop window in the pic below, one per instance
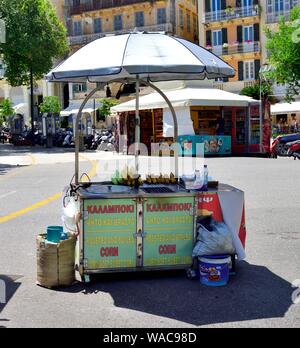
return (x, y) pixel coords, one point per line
(139, 19)
(118, 22)
(97, 25)
(161, 15)
(77, 28)
(240, 127)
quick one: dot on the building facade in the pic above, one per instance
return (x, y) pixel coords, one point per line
(88, 20)
(234, 30)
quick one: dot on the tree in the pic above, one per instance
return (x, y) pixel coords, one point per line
(107, 104)
(283, 46)
(50, 105)
(6, 110)
(34, 38)
(254, 92)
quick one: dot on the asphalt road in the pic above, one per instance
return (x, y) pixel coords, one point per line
(259, 295)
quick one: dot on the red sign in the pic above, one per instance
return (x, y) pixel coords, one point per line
(167, 249)
(109, 252)
(110, 209)
(209, 204)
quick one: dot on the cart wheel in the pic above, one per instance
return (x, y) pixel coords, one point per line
(191, 274)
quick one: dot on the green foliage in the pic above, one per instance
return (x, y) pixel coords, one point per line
(254, 91)
(283, 46)
(50, 105)
(6, 110)
(107, 104)
(34, 38)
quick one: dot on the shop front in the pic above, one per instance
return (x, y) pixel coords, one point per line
(224, 122)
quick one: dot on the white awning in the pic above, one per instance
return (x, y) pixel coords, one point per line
(74, 107)
(285, 108)
(188, 97)
(21, 108)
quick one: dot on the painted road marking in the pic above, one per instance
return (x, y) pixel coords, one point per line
(7, 194)
(48, 200)
(30, 208)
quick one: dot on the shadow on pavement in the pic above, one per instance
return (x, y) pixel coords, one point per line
(5, 168)
(254, 293)
(11, 150)
(11, 286)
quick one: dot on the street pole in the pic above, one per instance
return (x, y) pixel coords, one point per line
(31, 103)
(260, 113)
(137, 125)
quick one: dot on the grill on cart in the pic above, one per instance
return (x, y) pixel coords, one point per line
(159, 189)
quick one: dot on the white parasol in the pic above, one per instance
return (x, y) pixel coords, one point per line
(139, 57)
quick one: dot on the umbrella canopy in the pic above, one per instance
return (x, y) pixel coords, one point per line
(152, 56)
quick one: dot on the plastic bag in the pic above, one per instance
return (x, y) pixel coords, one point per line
(70, 213)
(216, 241)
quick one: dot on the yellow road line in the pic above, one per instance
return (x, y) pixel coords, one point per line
(30, 208)
(46, 201)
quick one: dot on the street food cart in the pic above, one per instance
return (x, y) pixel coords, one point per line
(148, 226)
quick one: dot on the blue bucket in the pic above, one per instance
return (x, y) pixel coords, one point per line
(214, 270)
(54, 234)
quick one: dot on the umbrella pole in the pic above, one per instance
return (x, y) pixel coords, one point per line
(137, 125)
(149, 84)
(77, 132)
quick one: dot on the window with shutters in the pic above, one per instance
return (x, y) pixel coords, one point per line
(279, 5)
(77, 28)
(216, 7)
(139, 19)
(247, 7)
(97, 25)
(248, 34)
(118, 22)
(249, 70)
(188, 22)
(195, 24)
(161, 15)
(79, 87)
(217, 38)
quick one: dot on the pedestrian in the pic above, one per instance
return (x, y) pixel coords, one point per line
(294, 124)
(220, 125)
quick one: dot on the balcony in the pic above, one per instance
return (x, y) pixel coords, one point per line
(94, 5)
(231, 13)
(239, 48)
(85, 39)
(274, 17)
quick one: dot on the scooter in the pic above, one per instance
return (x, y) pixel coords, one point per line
(68, 141)
(294, 150)
(279, 148)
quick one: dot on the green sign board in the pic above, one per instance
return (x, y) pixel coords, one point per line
(109, 230)
(168, 229)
